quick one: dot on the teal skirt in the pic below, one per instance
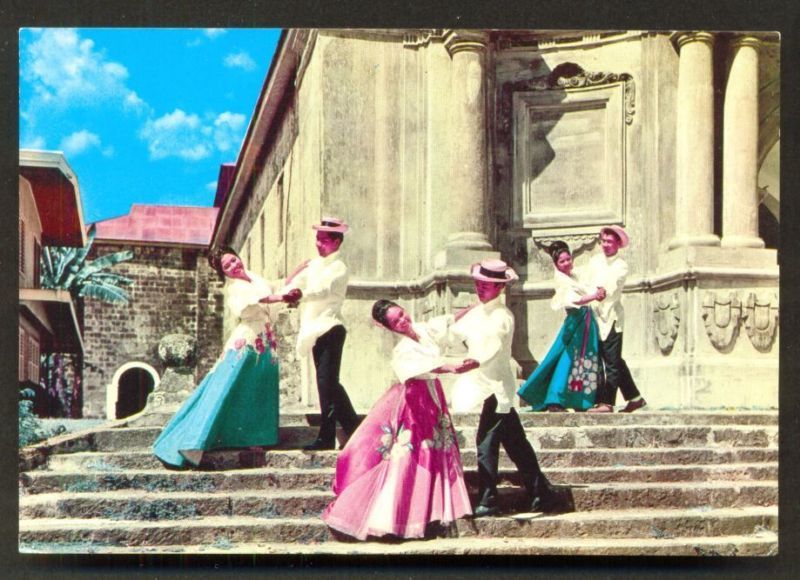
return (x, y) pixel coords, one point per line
(570, 372)
(236, 405)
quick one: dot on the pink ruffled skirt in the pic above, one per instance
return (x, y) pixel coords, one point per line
(401, 469)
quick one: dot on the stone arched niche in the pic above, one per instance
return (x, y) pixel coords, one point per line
(127, 393)
(769, 186)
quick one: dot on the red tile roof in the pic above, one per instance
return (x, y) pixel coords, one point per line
(170, 224)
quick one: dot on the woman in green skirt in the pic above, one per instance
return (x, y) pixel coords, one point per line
(236, 404)
(569, 374)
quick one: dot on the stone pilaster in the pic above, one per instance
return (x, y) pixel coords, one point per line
(468, 241)
(694, 183)
(740, 147)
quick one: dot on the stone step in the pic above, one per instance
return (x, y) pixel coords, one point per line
(271, 478)
(531, 419)
(221, 530)
(279, 502)
(760, 544)
(297, 459)
(542, 438)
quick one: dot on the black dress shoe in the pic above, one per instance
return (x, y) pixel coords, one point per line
(554, 501)
(483, 511)
(319, 445)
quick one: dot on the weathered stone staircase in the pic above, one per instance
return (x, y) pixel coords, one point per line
(682, 483)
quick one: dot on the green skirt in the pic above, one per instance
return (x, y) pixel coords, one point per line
(236, 405)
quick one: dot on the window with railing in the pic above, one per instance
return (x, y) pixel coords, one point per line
(33, 359)
(23, 345)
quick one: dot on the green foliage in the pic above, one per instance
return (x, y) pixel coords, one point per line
(31, 429)
(29, 426)
(68, 269)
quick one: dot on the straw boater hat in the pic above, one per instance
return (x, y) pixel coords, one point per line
(620, 233)
(494, 271)
(331, 224)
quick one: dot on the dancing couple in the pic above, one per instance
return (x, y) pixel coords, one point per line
(584, 367)
(401, 470)
(236, 404)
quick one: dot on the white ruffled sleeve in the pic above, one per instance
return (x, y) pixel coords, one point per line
(243, 297)
(567, 293)
(410, 359)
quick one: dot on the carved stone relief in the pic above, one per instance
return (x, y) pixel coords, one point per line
(721, 317)
(578, 243)
(558, 81)
(761, 320)
(667, 319)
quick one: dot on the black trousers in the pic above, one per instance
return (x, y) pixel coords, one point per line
(493, 429)
(617, 373)
(333, 400)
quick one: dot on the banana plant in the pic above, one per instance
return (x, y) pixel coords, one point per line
(68, 269)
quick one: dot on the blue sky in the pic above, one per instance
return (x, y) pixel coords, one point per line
(142, 115)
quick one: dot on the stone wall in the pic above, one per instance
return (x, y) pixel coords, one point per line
(174, 291)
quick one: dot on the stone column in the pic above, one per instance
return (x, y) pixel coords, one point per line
(740, 147)
(694, 183)
(468, 241)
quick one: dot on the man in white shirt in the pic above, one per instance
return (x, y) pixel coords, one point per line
(487, 329)
(320, 285)
(608, 270)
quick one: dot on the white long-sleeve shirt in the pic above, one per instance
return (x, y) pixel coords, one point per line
(487, 330)
(324, 286)
(609, 273)
(242, 299)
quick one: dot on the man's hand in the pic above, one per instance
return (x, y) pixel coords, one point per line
(292, 297)
(601, 293)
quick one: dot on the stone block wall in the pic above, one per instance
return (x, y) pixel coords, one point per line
(174, 291)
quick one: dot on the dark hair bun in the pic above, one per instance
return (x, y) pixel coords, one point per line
(556, 249)
(379, 310)
(215, 258)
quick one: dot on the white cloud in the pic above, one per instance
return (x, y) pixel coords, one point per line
(65, 69)
(133, 101)
(175, 134)
(108, 151)
(207, 34)
(211, 186)
(78, 142)
(184, 135)
(228, 130)
(33, 142)
(240, 60)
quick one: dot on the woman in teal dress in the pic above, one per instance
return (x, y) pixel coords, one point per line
(567, 377)
(236, 404)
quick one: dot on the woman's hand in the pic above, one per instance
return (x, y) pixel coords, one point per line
(271, 299)
(469, 364)
(465, 366)
(448, 368)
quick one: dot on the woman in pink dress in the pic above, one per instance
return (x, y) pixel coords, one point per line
(401, 469)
